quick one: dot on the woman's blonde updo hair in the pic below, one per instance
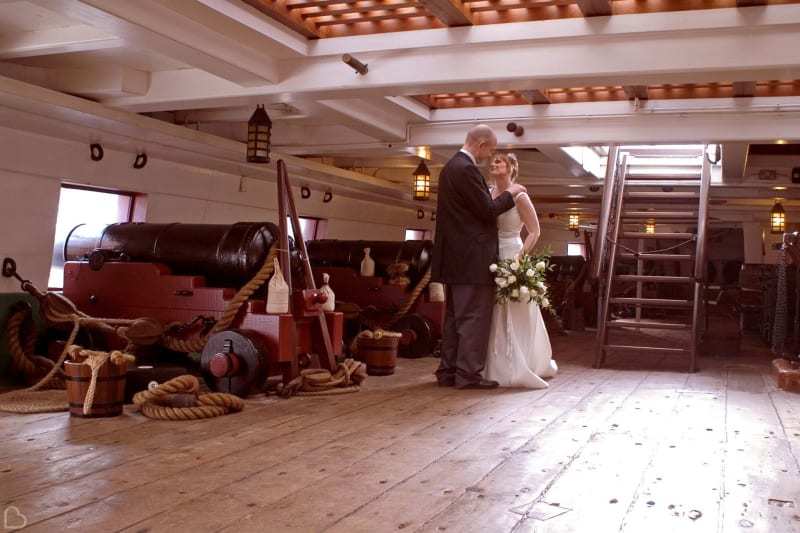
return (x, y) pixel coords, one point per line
(511, 160)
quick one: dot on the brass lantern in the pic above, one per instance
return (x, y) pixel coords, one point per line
(777, 219)
(574, 222)
(650, 226)
(258, 132)
(422, 182)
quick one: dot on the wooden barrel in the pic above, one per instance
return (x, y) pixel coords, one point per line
(109, 393)
(380, 355)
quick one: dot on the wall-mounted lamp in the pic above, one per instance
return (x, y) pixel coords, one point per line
(355, 64)
(650, 226)
(574, 222)
(420, 214)
(515, 128)
(327, 197)
(259, 129)
(777, 218)
(422, 182)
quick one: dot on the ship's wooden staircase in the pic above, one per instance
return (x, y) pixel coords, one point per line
(651, 284)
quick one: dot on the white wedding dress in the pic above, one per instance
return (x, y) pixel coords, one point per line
(519, 353)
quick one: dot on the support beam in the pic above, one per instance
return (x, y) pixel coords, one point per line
(535, 96)
(744, 88)
(594, 8)
(451, 12)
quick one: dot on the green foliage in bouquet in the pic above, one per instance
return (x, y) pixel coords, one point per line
(523, 279)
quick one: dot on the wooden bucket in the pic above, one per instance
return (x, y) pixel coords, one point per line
(109, 393)
(380, 355)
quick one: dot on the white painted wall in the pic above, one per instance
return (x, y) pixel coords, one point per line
(33, 167)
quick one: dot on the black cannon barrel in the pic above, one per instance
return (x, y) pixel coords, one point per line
(227, 255)
(339, 253)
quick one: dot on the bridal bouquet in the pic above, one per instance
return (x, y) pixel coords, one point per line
(522, 279)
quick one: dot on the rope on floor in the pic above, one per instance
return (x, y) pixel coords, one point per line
(180, 399)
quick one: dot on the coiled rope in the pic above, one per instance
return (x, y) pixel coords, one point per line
(180, 399)
(319, 382)
(21, 337)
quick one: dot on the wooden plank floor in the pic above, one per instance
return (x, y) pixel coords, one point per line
(637, 446)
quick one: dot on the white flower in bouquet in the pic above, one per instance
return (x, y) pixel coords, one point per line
(522, 279)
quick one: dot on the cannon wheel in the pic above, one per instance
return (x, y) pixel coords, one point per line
(417, 338)
(235, 361)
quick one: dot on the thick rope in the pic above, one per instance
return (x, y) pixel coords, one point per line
(21, 346)
(197, 344)
(319, 382)
(167, 401)
(412, 297)
(95, 361)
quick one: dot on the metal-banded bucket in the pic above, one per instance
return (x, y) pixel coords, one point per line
(380, 355)
(109, 394)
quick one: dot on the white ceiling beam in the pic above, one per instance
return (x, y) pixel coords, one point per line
(671, 56)
(373, 118)
(101, 82)
(78, 38)
(162, 28)
(285, 42)
(657, 121)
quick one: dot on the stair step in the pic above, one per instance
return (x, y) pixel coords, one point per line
(653, 279)
(628, 323)
(643, 215)
(652, 302)
(658, 349)
(665, 235)
(655, 257)
(660, 197)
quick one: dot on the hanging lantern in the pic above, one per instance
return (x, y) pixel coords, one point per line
(422, 182)
(777, 219)
(650, 226)
(258, 132)
(574, 222)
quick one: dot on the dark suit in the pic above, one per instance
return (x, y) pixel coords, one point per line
(464, 246)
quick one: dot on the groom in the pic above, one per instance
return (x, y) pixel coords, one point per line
(464, 246)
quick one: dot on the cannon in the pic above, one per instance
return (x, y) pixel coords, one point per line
(188, 277)
(378, 299)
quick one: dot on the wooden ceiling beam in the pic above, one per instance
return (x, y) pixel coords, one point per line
(535, 96)
(594, 8)
(450, 12)
(635, 91)
(744, 88)
(280, 12)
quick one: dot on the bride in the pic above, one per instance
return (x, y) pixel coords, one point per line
(519, 353)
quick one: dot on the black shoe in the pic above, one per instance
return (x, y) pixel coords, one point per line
(482, 384)
(446, 382)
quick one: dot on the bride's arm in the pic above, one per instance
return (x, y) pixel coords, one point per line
(528, 215)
